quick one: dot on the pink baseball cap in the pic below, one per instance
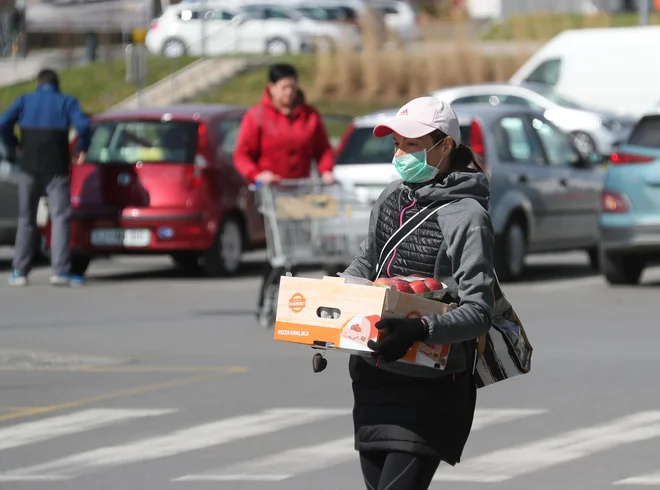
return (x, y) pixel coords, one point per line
(422, 116)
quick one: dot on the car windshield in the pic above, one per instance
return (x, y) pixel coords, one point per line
(362, 147)
(131, 141)
(555, 98)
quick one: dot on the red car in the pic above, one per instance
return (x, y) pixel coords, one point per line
(161, 181)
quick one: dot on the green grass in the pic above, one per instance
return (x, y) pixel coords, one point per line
(543, 27)
(247, 89)
(99, 85)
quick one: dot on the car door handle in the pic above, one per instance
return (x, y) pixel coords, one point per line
(523, 178)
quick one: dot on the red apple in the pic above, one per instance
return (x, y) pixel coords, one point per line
(433, 284)
(403, 287)
(418, 287)
(383, 282)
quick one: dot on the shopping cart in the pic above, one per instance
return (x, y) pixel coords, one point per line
(307, 223)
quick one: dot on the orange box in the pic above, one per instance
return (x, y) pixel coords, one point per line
(336, 313)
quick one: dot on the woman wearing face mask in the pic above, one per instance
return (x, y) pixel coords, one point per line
(410, 418)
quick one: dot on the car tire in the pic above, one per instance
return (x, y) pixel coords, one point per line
(594, 258)
(621, 269)
(174, 48)
(224, 257)
(78, 264)
(277, 46)
(510, 252)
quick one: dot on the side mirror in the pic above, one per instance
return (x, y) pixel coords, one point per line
(238, 20)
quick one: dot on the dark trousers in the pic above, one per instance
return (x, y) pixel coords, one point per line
(30, 189)
(397, 471)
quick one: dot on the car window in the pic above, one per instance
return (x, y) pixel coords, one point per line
(223, 15)
(556, 144)
(130, 141)
(472, 99)
(362, 147)
(546, 73)
(254, 12)
(647, 132)
(275, 13)
(227, 132)
(388, 10)
(512, 142)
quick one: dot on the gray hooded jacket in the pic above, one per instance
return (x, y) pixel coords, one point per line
(464, 261)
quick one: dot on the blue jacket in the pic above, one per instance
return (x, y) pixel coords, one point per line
(45, 117)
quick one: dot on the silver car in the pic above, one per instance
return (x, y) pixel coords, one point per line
(594, 131)
(545, 195)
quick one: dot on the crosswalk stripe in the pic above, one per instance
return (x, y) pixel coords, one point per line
(185, 440)
(509, 463)
(73, 423)
(651, 479)
(288, 464)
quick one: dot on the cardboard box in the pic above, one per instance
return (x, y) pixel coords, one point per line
(336, 313)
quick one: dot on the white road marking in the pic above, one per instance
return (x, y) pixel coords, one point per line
(651, 479)
(185, 440)
(509, 463)
(288, 464)
(73, 423)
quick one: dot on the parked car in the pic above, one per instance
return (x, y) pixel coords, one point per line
(630, 219)
(226, 29)
(161, 180)
(334, 33)
(605, 68)
(545, 193)
(8, 197)
(594, 131)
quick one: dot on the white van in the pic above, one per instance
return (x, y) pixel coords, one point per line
(613, 69)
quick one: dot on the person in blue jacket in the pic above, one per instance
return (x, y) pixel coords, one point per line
(44, 118)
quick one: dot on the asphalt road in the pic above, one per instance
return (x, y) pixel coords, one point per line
(147, 379)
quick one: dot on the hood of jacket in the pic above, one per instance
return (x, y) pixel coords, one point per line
(454, 186)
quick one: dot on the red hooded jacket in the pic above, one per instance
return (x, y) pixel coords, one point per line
(285, 145)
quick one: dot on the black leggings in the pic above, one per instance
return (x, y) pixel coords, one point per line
(397, 471)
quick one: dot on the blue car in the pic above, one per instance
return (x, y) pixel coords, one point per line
(630, 216)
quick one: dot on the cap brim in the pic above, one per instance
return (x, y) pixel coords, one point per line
(403, 126)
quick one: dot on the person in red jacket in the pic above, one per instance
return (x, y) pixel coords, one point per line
(278, 139)
(280, 136)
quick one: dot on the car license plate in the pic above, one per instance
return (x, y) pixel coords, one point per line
(122, 238)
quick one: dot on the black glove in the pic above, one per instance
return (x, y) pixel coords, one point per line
(402, 333)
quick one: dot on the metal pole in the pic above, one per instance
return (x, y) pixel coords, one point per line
(644, 8)
(203, 14)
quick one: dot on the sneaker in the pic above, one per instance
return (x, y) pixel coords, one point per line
(17, 279)
(76, 281)
(60, 280)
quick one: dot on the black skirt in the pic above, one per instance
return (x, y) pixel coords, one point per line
(428, 416)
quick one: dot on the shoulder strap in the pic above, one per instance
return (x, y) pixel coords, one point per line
(402, 233)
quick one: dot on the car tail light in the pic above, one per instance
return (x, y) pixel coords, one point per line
(611, 202)
(626, 158)
(154, 25)
(202, 157)
(477, 142)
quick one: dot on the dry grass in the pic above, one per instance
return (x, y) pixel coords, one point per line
(389, 71)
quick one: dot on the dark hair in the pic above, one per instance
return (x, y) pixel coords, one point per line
(48, 77)
(278, 71)
(462, 156)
